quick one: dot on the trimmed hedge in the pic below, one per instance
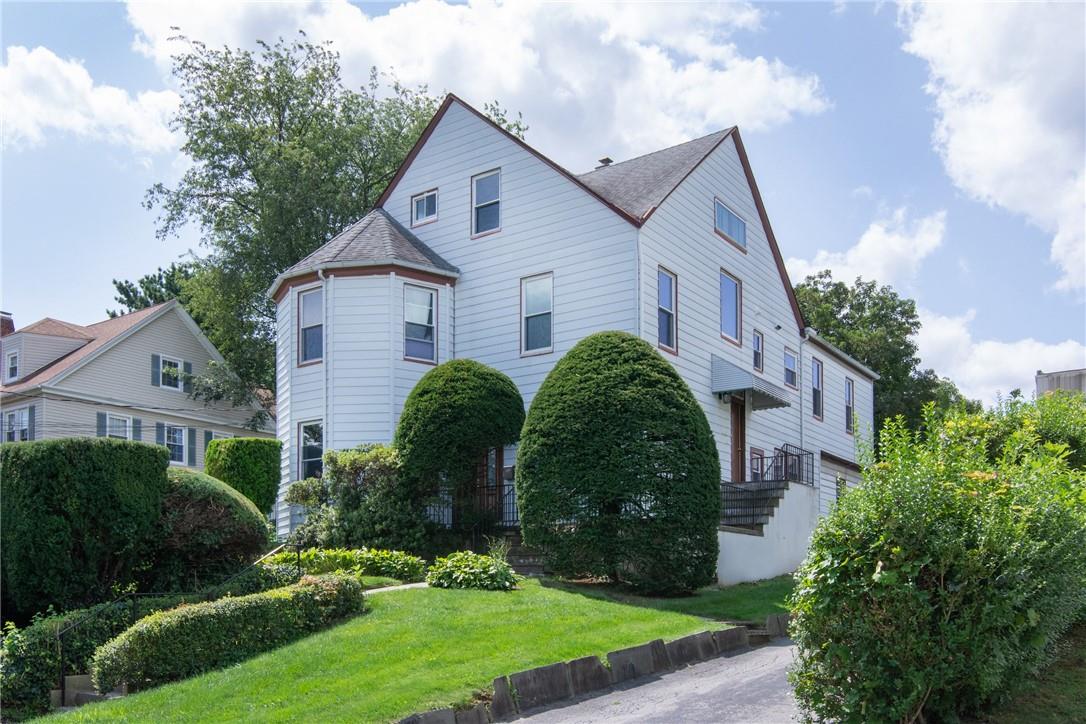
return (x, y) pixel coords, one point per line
(465, 569)
(29, 659)
(249, 465)
(207, 532)
(617, 472)
(77, 514)
(365, 561)
(191, 639)
(943, 582)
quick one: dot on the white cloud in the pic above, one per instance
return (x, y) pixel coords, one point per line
(1007, 80)
(591, 79)
(42, 93)
(890, 251)
(985, 368)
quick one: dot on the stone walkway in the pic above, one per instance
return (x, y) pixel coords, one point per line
(751, 688)
(401, 587)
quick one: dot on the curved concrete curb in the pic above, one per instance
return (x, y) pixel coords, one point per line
(545, 685)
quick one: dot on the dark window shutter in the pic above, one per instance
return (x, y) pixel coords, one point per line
(192, 446)
(160, 433)
(156, 370)
(30, 422)
(188, 376)
(137, 429)
(101, 424)
(208, 436)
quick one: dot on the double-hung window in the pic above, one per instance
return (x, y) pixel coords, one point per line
(730, 226)
(486, 203)
(731, 307)
(419, 324)
(850, 410)
(758, 343)
(310, 450)
(537, 311)
(816, 388)
(17, 425)
(311, 326)
(424, 208)
(13, 365)
(757, 464)
(170, 373)
(175, 443)
(119, 426)
(667, 290)
(791, 366)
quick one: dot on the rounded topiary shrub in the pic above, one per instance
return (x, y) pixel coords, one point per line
(617, 472)
(206, 532)
(77, 514)
(250, 465)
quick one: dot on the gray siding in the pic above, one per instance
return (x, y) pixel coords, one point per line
(36, 351)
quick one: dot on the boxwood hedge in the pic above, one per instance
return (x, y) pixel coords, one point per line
(249, 465)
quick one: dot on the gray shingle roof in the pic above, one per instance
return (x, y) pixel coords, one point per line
(376, 237)
(638, 185)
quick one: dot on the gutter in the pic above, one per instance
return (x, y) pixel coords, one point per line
(333, 265)
(841, 356)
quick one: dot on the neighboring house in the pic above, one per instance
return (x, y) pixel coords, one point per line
(124, 378)
(1066, 380)
(483, 248)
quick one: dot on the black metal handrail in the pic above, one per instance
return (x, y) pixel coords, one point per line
(788, 464)
(738, 503)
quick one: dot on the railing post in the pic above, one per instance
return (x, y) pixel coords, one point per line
(60, 665)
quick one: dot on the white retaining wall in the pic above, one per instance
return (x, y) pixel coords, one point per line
(781, 547)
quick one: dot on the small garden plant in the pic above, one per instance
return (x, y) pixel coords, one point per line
(465, 569)
(364, 561)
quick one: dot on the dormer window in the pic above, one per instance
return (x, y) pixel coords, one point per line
(730, 226)
(424, 208)
(486, 204)
(13, 365)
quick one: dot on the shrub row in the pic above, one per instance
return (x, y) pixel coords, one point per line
(465, 569)
(191, 639)
(30, 660)
(366, 561)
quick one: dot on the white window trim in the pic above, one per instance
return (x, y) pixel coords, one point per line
(7, 365)
(183, 462)
(162, 359)
(524, 351)
(738, 338)
(759, 348)
(820, 378)
(493, 172)
(725, 235)
(216, 435)
(300, 346)
(4, 422)
(301, 446)
(674, 311)
(426, 219)
(434, 292)
(784, 358)
(850, 405)
(128, 425)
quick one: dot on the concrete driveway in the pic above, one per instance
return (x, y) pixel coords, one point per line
(751, 687)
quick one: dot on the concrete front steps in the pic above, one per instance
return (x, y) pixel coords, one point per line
(78, 690)
(756, 508)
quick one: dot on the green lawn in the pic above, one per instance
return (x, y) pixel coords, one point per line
(378, 582)
(416, 649)
(744, 602)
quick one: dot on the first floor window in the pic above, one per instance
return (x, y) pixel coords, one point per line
(757, 464)
(791, 365)
(424, 208)
(311, 449)
(758, 343)
(486, 203)
(419, 326)
(175, 443)
(119, 426)
(667, 285)
(17, 425)
(816, 388)
(170, 373)
(730, 226)
(311, 326)
(731, 306)
(537, 309)
(13, 365)
(850, 391)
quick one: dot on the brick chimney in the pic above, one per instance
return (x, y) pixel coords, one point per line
(7, 324)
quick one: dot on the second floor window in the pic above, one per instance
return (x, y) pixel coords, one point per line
(758, 342)
(170, 373)
(791, 367)
(311, 450)
(850, 410)
(486, 204)
(537, 309)
(424, 208)
(17, 425)
(730, 226)
(13, 365)
(816, 388)
(667, 285)
(311, 326)
(731, 307)
(419, 326)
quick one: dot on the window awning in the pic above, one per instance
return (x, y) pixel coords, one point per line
(728, 378)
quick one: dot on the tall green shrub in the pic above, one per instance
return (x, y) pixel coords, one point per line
(617, 471)
(944, 581)
(77, 514)
(249, 465)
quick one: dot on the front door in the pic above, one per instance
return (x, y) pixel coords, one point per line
(739, 439)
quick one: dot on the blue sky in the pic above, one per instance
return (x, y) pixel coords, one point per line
(883, 146)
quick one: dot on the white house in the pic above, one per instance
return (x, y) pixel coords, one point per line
(123, 377)
(483, 248)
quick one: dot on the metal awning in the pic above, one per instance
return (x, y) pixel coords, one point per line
(729, 378)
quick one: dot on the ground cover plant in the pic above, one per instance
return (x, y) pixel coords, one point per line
(366, 561)
(414, 650)
(249, 465)
(465, 569)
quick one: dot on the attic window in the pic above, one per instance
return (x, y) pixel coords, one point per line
(170, 374)
(486, 214)
(730, 226)
(424, 208)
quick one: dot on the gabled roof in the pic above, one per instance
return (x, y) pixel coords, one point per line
(56, 328)
(375, 239)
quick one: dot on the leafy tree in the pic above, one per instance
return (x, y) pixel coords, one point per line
(877, 326)
(151, 289)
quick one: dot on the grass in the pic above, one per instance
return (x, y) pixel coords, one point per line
(743, 602)
(417, 649)
(369, 582)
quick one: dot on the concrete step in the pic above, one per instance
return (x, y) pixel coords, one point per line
(757, 637)
(745, 519)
